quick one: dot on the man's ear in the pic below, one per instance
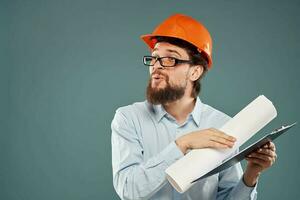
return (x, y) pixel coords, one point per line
(195, 72)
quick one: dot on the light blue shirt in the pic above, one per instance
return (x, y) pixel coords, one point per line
(143, 148)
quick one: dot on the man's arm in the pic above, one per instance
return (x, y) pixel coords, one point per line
(134, 177)
(232, 186)
(259, 161)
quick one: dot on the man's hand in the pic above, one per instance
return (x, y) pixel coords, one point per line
(212, 138)
(258, 161)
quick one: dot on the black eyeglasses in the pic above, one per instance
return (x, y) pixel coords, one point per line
(163, 61)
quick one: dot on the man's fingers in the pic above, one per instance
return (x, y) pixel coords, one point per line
(258, 161)
(272, 146)
(214, 144)
(266, 158)
(222, 135)
(267, 152)
(222, 141)
(209, 138)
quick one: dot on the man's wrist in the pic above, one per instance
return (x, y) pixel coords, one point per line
(250, 178)
(182, 145)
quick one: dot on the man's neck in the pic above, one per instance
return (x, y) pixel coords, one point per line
(181, 108)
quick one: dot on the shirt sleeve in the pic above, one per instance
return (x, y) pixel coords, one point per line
(134, 177)
(232, 186)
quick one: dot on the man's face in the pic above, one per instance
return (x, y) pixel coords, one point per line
(167, 84)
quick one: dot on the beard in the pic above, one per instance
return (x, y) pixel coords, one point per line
(169, 93)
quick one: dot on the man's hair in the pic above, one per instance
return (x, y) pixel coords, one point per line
(194, 55)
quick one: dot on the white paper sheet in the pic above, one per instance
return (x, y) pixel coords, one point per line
(242, 126)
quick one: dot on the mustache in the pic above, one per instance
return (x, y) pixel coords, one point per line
(159, 73)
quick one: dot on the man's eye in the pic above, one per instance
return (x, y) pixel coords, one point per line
(171, 59)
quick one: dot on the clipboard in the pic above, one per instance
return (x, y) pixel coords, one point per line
(239, 156)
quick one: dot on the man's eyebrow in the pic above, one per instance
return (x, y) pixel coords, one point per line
(169, 50)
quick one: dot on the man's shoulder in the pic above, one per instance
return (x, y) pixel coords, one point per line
(213, 114)
(134, 108)
(208, 109)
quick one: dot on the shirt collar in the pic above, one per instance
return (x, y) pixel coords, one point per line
(196, 113)
(160, 112)
(157, 110)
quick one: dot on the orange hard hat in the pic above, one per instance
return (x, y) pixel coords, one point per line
(185, 28)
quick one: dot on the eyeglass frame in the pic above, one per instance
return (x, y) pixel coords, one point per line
(177, 61)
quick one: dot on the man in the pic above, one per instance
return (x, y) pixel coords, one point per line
(147, 137)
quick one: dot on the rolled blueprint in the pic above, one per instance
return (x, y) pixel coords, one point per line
(242, 126)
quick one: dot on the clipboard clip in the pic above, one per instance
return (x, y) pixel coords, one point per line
(284, 127)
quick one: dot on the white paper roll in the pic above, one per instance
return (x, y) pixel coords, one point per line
(242, 126)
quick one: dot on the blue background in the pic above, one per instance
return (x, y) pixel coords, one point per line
(66, 66)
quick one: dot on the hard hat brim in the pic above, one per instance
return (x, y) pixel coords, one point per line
(148, 40)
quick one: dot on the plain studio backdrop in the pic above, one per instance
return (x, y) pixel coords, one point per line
(67, 65)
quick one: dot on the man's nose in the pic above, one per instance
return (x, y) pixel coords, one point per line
(157, 65)
(156, 68)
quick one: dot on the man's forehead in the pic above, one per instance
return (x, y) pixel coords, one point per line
(170, 48)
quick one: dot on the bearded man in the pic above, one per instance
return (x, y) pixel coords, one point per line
(147, 137)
